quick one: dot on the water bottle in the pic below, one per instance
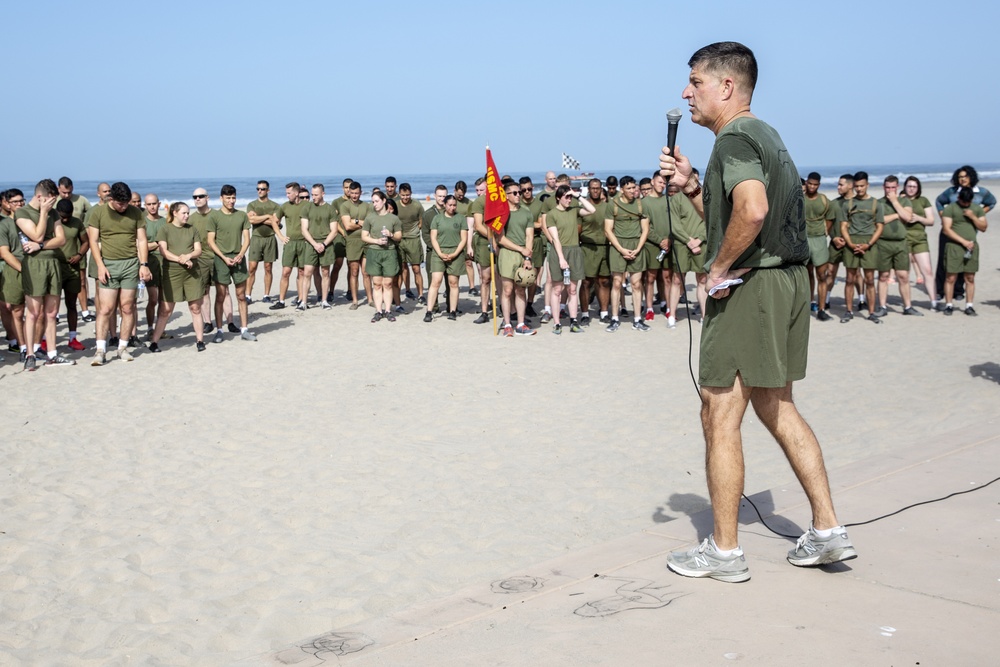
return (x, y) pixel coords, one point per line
(565, 276)
(385, 234)
(140, 292)
(24, 241)
(663, 253)
(968, 254)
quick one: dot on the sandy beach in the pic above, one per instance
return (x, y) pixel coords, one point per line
(200, 509)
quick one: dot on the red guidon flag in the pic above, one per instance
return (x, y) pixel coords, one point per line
(497, 210)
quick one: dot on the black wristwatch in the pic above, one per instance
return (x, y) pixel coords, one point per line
(144, 264)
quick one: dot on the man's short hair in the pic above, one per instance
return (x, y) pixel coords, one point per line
(611, 180)
(66, 182)
(626, 180)
(320, 186)
(47, 187)
(390, 179)
(405, 187)
(562, 178)
(354, 186)
(227, 190)
(645, 181)
(480, 181)
(294, 186)
(121, 192)
(592, 181)
(965, 195)
(524, 180)
(11, 193)
(727, 58)
(439, 188)
(860, 176)
(847, 177)
(507, 180)
(65, 207)
(814, 176)
(460, 185)
(890, 179)
(264, 183)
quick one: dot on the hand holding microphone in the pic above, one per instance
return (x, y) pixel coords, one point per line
(674, 166)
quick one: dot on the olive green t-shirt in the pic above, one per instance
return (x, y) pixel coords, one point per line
(75, 231)
(862, 215)
(374, 223)
(320, 218)
(28, 213)
(292, 213)
(817, 212)
(410, 216)
(567, 224)
(425, 227)
(462, 207)
(228, 230)
(200, 224)
(117, 231)
(626, 216)
(535, 206)
(263, 208)
(449, 230)
(750, 149)
(179, 240)
(917, 231)
(959, 223)
(9, 237)
(839, 209)
(81, 207)
(516, 229)
(478, 206)
(593, 225)
(355, 211)
(686, 224)
(655, 208)
(152, 227)
(893, 230)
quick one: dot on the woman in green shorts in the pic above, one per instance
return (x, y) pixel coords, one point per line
(181, 277)
(449, 234)
(916, 236)
(566, 258)
(381, 232)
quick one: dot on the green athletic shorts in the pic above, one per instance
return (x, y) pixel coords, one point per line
(41, 276)
(124, 274)
(595, 260)
(314, 258)
(13, 291)
(869, 260)
(955, 262)
(687, 261)
(819, 250)
(481, 250)
(223, 274)
(182, 284)
(339, 246)
(574, 257)
(293, 255)
(381, 261)
(155, 268)
(263, 249)
(455, 267)
(538, 244)
(654, 264)
(618, 263)
(410, 250)
(918, 246)
(893, 255)
(508, 262)
(836, 254)
(761, 331)
(355, 247)
(205, 263)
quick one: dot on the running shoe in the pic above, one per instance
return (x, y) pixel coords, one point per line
(200, 346)
(154, 347)
(969, 310)
(277, 305)
(124, 354)
(639, 325)
(812, 550)
(218, 337)
(823, 316)
(428, 317)
(705, 561)
(59, 361)
(75, 344)
(574, 327)
(232, 328)
(613, 327)
(650, 315)
(546, 317)
(248, 335)
(557, 329)
(508, 331)
(29, 363)
(99, 359)
(912, 311)
(482, 319)
(524, 330)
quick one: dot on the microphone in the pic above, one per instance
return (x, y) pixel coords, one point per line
(673, 118)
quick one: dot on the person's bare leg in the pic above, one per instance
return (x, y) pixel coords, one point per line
(166, 310)
(904, 287)
(970, 288)
(778, 413)
(852, 279)
(721, 417)
(870, 288)
(636, 280)
(616, 294)
(452, 293)
(286, 276)
(197, 320)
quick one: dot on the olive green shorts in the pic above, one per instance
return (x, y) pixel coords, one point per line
(263, 249)
(618, 263)
(819, 250)
(223, 274)
(654, 264)
(410, 250)
(41, 276)
(182, 284)
(481, 250)
(955, 262)
(869, 260)
(596, 262)
(155, 261)
(836, 254)
(381, 262)
(761, 331)
(13, 291)
(293, 255)
(508, 262)
(339, 246)
(205, 263)
(455, 267)
(325, 258)
(917, 246)
(574, 257)
(355, 247)
(687, 261)
(124, 274)
(893, 255)
(70, 278)
(538, 248)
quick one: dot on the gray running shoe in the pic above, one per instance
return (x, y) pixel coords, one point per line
(99, 359)
(59, 361)
(705, 561)
(639, 325)
(948, 310)
(546, 318)
(124, 354)
(613, 327)
(812, 550)
(248, 335)
(969, 310)
(218, 336)
(880, 312)
(29, 363)
(912, 311)
(326, 305)
(847, 317)
(557, 329)
(874, 319)
(823, 316)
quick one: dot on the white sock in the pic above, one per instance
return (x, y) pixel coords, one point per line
(968, 304)
(548, 309)
(243, 330)
(36, 348)
(725, 553)
(824, 533)
(122, 343)
(604, 314)
(52, 354)
(11, 341)
(102, 346)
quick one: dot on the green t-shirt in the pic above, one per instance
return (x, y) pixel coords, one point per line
(567, 224)
(839, 209)
(320, 219)
(179, 240)
(228, 230)
(75, 232)
(462, 207)
(425, 227)
(686, 224)
(28, 213)
(535, 206)
(655, 208)
(593, 225)
(292, 213)
(81, 207)
(916, 232)
(817, 213)
(374, 223)
(478, 206)
(10, 238)
(200, 223)
(894, 230)
(516, 229)
(449, 230)
(750, 149)
(263, 208)
(356, 211)
(959, 223)
(862, 216)
(117, 231)
(410, 216)
(626, 216)
(152, 227)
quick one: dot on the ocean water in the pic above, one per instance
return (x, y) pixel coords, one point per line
(170, 190)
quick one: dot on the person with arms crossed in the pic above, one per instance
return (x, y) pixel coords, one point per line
(756, 335)
(266, 231)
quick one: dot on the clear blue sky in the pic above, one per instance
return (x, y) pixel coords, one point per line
(213, 89)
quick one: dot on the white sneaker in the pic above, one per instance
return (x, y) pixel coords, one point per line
(671, 322)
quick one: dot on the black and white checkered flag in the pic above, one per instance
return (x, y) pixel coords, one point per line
(570, 163)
